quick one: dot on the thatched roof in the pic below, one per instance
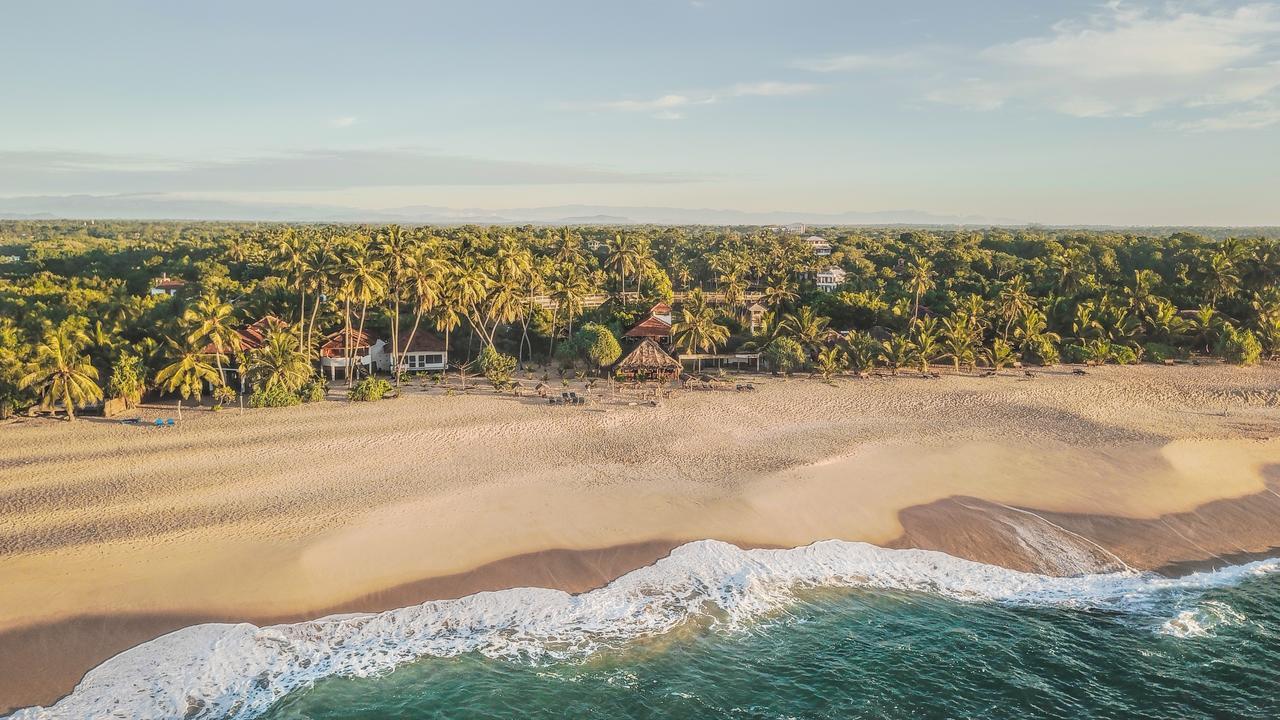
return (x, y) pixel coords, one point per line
(648, 357)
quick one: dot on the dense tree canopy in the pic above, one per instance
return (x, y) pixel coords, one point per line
(909, 296)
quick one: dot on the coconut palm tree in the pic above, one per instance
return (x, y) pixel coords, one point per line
(60, 373)
(999, 354)
(925, 337)
(831, 361)
(363, 283)
(278, 364)
(920, 276)
(960, 339)
(568, 291)
(698, 331)
(568, 248)
(780, 294)
(394, 252)
(806, 327)
(291, 257)
(187, 375)
(425, 285)
(211, 323)
(1012, 301)
(624, 256)
(1220, 277)
(897, 352)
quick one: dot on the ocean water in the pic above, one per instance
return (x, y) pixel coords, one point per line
(832, 630)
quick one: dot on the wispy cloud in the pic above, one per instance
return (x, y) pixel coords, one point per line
(673, 106)
(36, 172)
(1122, 60)
(343, 122)
(857, 61)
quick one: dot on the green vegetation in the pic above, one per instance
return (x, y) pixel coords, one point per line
(77, 314)
(369, 389)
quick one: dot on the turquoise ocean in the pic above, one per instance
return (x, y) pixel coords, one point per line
(834, 630)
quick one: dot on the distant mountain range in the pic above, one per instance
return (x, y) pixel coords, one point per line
(165, 207)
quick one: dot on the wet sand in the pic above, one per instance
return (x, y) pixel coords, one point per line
(112, 535)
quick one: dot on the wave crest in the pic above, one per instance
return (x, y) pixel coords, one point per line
(220, 670)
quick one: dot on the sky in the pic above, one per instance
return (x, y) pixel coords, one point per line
(1063, 112)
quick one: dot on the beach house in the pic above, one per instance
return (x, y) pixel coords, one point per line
(168, 286)
(656, 326)
(755, 315)
(425, 352)
(818, 245)
(829, 279)
(361, 346)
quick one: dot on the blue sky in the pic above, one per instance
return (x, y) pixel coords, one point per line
(1058, 112)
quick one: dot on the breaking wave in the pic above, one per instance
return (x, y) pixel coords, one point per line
(221, 670)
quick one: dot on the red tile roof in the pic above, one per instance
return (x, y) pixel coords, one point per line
(335, 344)
(650, 327)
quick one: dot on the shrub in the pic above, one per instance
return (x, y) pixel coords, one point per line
(497, 366)
(784, 355)
(598, 345)
(128, 378)
(1125, 355)
(1044, 352)
(223, 395)
(314, 390)
(1159, 352)
(275, 397)
(1240, 346)
(369, 389)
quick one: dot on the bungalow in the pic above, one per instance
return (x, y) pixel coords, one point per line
(818, 245)
(167, 286)
(656, 327)
(830, 279)
(425, 352)
(648, 362)
(363, 349)
(249, 337)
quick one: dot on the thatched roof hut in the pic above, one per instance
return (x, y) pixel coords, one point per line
(648, 361)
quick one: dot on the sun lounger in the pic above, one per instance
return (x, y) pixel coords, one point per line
(170, 422)
(160, 422)
(131, 421)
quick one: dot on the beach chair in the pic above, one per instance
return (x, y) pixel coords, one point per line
(131, 421)
(170, 422)
(159, 422)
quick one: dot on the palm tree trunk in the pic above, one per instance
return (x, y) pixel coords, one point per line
(66, 403)
(364, 308)
(302, 317)
(399, 361)
(346, 340)
(311, 324)
(395, 339)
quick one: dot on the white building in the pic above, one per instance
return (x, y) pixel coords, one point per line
(818, 245)
(426, 352)
(167, 286)
(830, 279)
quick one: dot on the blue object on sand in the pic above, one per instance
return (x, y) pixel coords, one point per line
(159, 422)
(170, 422)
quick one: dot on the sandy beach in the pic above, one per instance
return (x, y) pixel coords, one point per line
(111, 535)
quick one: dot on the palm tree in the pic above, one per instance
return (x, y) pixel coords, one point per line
(831, 361)
(395, 253)
(897, 352)
(278, 364)
(919, 280)
(926, 342)
(806, 327)
(1032, 331)
(624, 256)
(568, 291)
(780, 294)
(212, 325)
(1206, 325)
(698, 331)
(960, 338)
(291, 258)
(60, 373)
(426, 280)
(187, 375)
(568, 248)
(363, 282)
(999, 354)
(1220, 277)
(1012, 301)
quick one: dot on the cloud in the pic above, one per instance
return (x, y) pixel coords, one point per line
(668, 107)
(1122, 60)
(343, 122)
(35, 172)
(856, 62)
(1249, 119)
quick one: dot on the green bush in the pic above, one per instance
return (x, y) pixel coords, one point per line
(1124, 355)
(497, 366)
(369, 389)
(1240, 346)
(1159, 352)
(314, 390)
(128, 378)
(275, 397)
(598, 345)
(784, 355)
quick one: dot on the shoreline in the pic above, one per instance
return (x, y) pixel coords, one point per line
(121, 534)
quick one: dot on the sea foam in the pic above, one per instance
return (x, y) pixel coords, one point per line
(220, 670)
